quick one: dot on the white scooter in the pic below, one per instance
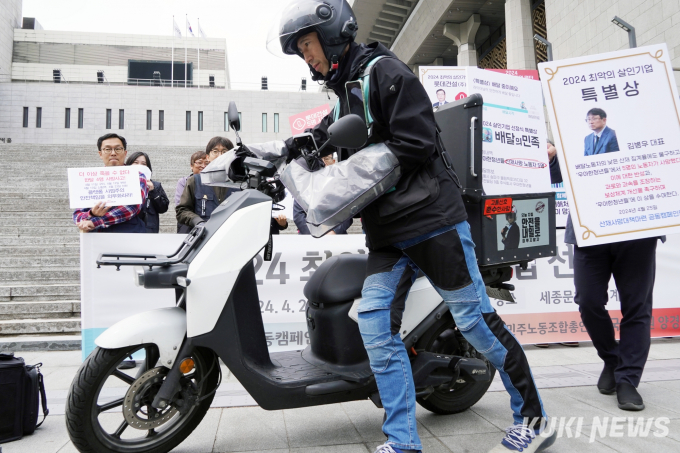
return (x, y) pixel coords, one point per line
(218, 317)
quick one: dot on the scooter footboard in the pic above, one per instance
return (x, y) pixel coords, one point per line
(164, 327)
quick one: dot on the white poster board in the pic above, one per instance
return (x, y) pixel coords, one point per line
(443, 84)
(544, 310)
(117, 186)
(515, 158)
(620, 161)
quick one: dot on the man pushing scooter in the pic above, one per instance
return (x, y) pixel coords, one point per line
(419, 225)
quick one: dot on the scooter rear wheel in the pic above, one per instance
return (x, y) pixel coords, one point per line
(445, 338)
(96, 394)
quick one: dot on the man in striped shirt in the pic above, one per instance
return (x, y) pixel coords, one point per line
(112, 219)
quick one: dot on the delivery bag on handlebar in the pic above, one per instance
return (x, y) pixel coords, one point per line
(228, 170)
(333, 194)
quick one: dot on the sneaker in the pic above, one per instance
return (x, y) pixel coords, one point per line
(628, 397)
(387, 448)
(607, 383)
(524, 439)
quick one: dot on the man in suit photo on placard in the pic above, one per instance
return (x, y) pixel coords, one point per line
(603, 139)
(441, 98)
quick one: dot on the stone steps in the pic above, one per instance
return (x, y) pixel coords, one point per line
(39, 326)
(40, 274)
(16, 292)
(40, 309)
(13, 262)
(56, 241)
(40, 250)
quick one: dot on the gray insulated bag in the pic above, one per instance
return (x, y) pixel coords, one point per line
(338, 192)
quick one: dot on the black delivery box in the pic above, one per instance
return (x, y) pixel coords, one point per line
(506, 229)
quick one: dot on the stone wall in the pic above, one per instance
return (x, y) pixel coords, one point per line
(95, 99)
(10, 18)
(584, 27)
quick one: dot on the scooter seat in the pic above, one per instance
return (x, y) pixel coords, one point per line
(339, 279)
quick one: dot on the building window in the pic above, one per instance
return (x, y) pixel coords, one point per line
(121, 119)
(80, 118)
(240, 122)
(148, 120)
(108, 118)
(38, 117)
(161, 120)
(200, 121)
(67, 118)
(276, 123)
(264, 122)
(188, 121)
(226, 122)
(25, 116)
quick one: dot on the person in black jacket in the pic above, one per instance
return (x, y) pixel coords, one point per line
(157, 202)
(419, 226)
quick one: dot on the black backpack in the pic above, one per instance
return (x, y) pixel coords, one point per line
(21, 390)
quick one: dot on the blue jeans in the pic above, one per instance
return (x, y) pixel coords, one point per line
(447, 258)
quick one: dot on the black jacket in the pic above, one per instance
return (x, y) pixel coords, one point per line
(404, 121)
(156, 203)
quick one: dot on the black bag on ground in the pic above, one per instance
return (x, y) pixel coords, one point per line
(21, 391)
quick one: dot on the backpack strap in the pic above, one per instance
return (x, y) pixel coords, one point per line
(365, 80)
(43, 395)
(336, 111)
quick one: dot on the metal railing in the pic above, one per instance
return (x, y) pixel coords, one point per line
(130, 81)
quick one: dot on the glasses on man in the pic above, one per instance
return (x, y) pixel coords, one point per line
(217, 152)
(201, 163)
(592, 119)
(111, 150)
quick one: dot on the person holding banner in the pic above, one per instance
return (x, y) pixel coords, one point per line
(113, 219)
(633, 266)
(421, 225)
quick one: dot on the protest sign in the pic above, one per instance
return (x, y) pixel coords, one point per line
(443, 84)
(544, 308)
(514, 154)
(616, 125)
(307, 119)
(525, 73)
(117, 186)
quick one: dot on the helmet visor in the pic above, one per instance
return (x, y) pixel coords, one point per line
(295, 17)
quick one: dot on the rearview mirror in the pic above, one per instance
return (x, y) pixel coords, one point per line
(232, 116)
(348, 132)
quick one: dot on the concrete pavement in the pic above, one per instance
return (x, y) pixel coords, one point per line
(566, 377)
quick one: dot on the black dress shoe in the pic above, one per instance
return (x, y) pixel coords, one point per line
(607, 384)
(629, 398)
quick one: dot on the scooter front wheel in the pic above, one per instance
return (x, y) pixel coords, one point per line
(109, 410)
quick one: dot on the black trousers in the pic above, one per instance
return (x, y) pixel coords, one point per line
(633, 265)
